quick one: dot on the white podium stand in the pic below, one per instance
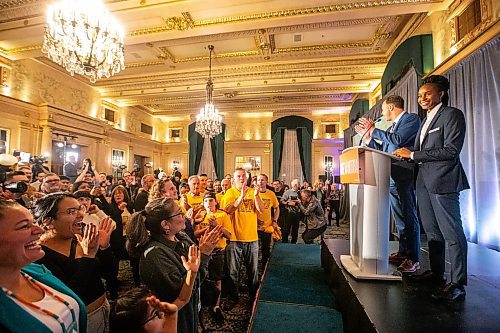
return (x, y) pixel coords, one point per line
(367, 171)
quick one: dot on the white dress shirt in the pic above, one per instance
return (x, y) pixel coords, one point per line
(430, 115)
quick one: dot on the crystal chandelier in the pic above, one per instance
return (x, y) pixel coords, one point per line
(83, 37)
(208, 121)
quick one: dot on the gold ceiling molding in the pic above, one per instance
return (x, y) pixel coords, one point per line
(297, 12)
(366, 43)
(144, 64)
(256, 68)
(318, 73)
(165, 54)
(17, 3)
(109, 105)
(358, 88)
(179, 23)
(22, 49)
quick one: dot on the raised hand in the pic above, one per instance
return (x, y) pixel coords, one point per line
(194, 259)
(209, 240)
(89, 241)
(106, 227)
(93, 209)
(122, 206)
(167, 308)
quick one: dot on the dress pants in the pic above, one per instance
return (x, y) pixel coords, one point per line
(404, 210)
(440, 214)
(292, 223)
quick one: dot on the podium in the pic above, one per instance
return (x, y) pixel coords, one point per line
(367, 171)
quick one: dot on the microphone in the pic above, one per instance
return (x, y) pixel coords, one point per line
(368, 129)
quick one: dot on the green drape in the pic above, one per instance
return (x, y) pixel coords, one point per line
(217, 144)
(277, 152)
(195, 149)
(277, 134)
(304, 141)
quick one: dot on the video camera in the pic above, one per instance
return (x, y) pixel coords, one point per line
(15, 187)
(39, 160)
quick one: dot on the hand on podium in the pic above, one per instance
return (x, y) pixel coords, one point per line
(402, 153)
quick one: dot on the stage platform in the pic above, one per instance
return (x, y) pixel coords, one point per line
(403, 306)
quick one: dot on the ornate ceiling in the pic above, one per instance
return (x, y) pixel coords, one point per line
(282, 56)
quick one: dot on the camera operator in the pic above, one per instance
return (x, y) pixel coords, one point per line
(38, 167)
(14, 185)
(314, 214)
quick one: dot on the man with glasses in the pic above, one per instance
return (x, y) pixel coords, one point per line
(51, 183)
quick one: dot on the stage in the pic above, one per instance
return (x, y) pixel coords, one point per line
(403, 306)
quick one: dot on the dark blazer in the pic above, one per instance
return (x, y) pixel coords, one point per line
(439, 156)
(403, 135)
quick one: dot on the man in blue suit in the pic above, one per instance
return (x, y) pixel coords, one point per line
(440, 178)
(402, 133)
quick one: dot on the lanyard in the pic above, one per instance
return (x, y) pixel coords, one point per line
(72, 326)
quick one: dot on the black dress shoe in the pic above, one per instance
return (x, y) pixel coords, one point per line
(452, 292)
(429, 278)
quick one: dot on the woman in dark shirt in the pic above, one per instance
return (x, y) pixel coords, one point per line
(169, 260)
(120, 207)
(79, 260)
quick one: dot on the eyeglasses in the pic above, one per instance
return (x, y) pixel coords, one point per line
(172, 216)
(74, 211)
(53, 181)
(156, 313)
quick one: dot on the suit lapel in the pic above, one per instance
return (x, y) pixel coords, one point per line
(432, 123)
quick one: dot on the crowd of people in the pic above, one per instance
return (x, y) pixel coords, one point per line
(62, 238)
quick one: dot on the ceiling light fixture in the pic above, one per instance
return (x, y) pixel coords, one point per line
(208, 121)
(84, 38)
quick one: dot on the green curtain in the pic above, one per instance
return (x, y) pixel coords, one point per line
(277, 151)
(305, 142)
(217, 144)
(195, 149)
(277, 134)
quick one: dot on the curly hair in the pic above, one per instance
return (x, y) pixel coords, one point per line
(156, 191)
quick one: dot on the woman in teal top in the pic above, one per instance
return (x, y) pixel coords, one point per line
(31, 298)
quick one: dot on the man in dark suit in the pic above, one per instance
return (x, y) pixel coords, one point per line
(402, 133)
(440, 178)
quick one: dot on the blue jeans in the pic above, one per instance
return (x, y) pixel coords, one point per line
(248, 254)
(403, 205)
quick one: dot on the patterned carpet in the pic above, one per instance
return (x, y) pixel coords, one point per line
(237, 319)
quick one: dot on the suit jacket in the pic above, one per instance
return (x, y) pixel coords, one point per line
(438, 158)
(403, 135)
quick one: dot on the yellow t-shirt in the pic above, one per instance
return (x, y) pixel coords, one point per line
(194, 201)
(270, 201)
(223, 220)
(218, 197)
(244, 219)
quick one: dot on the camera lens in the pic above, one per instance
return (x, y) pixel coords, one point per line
(19, 187)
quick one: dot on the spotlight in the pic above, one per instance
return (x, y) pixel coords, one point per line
(60, 144)
(74, 146)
